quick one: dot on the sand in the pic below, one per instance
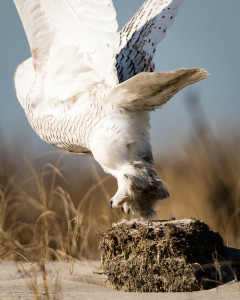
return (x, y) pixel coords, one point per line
(83, 283)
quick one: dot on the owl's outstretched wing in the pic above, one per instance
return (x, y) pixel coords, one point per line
(72, 44)
(140, 36)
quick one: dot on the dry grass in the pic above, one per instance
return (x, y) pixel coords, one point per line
(39, 218)
(52, 207)
(41, 281)
(204, 183)
(204, 178)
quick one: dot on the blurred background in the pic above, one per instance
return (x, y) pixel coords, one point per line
(54, 203)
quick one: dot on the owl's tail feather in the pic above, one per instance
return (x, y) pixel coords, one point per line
(148, 91)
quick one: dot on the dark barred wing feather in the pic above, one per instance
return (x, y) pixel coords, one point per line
(140, 36)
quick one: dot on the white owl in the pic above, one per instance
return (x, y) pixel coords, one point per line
(88, 89)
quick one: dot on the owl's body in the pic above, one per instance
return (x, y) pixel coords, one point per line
(86, 88)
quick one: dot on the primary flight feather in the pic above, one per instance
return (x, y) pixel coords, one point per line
(88, 89)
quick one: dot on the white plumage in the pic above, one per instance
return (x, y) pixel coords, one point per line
(88, 89)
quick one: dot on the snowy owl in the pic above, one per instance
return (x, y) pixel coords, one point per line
(88, 88)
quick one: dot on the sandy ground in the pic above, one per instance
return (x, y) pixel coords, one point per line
(84, 283)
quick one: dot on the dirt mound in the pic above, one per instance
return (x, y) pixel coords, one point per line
(180, 255)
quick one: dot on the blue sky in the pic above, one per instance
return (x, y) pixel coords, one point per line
(205, 34)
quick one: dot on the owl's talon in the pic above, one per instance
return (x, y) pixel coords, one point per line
(128, 211)
(111, 203)
(123, 211)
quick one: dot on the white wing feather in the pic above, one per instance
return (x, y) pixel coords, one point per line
(24, 80)
(140, 36)
(72, 44)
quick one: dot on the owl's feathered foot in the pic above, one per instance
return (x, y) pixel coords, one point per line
(139, 190)
(126, 209)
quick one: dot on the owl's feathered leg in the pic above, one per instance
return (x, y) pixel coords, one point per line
(139, 189)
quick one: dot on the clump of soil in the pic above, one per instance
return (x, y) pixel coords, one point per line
(180, 255)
